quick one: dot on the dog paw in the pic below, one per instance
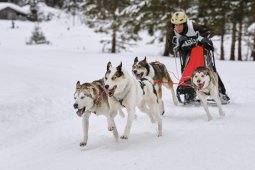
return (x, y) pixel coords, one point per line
(111, 128)
(124, 137)
(82, 144)
(159, 134)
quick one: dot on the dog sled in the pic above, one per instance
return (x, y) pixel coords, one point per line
(195, 55)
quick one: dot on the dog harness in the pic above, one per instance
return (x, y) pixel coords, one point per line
(142, 86)
(153, 86)
(120, 99)
(101, 90)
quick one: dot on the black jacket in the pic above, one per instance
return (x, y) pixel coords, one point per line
(202, 38)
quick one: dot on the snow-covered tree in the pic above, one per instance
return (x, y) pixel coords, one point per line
(33, 10)
(155, 16)
(214, 14)
(37, 37)
(55, 3)
(13, 1)
(108, 16)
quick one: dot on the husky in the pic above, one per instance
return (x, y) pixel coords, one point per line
(205, 82)
(125, 91)
(91, 98)
(158, 72)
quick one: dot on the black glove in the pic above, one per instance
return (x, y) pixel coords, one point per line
(207, 43)
(182, 39)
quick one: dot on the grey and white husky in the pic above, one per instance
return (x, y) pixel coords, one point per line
(158, 72)
(205, 82)
(125, 91)
(91, 98)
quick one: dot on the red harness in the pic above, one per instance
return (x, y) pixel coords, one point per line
(180, 83)
(100, 96)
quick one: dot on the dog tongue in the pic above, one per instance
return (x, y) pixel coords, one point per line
(140, 75)
(201, 85)
(79, 112)
(111, 91)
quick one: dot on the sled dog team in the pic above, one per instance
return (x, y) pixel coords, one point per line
(118, 89)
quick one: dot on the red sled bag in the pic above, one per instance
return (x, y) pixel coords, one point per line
(198, 57)
(196, 60)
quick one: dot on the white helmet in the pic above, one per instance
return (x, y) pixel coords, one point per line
(179, 18)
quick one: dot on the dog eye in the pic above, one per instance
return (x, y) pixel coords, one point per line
(114, 77)
(202, 75)
(75, 98)
(82, 97)
(105, 78)
(195, 76)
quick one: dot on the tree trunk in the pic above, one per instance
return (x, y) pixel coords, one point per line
(113, 40)
(114, 7)
(240, 32)
(232, 50)
(253, 50)
(240, 41)
(222, 47)
(171, 45)
(167, 39)
(222, 53)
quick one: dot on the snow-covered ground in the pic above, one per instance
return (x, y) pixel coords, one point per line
(40, 130)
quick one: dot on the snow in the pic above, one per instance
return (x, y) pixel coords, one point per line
(251, 28)
(4, 5)
(40, 129)
(44, 9)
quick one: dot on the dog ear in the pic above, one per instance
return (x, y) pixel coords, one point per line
(192, 78)
(207, 71)
(144, 59)
(78, 85)
(119, 67)
(92, 91)
(109, 65)
(136, 60)
(213, 76)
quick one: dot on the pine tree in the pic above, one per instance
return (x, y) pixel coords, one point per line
(234, 21)
(37, 37)
(249, 18)
(215, 19)
(240, 22)
(222, 22)
(251, 7)
(109, 17)
(33, 10)
(155, 16)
